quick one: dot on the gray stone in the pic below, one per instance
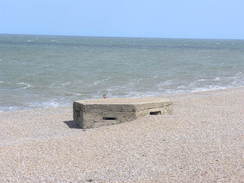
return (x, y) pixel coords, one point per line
(100, 112)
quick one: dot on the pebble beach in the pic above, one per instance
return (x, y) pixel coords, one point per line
(201, 141)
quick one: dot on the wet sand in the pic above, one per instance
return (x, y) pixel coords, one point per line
(202, 141)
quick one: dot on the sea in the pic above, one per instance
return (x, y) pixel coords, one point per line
(51, 71)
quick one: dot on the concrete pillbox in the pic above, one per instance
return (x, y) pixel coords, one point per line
(101, 112)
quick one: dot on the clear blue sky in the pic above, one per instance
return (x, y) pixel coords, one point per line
(130, 18)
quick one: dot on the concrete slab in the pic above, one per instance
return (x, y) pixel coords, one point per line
(109, 111)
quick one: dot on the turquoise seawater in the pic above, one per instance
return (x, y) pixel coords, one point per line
(42, 71)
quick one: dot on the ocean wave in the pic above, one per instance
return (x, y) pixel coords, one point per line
(33, 105)
(54, 103)
(209, 88)
(45, 104)
(12, 108)
(24, 85)
(134, 88)
(202, 80)
(165, 83)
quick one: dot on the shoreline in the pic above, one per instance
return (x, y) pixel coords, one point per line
(202, 141)
(170, 95)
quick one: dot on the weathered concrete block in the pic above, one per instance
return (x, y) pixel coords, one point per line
(100, 112)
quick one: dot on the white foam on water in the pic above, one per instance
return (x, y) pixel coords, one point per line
(181, 87)
(51, 103)
(131, 90)
(165, 83)
(111, 94)
(202, 80)
(210, 88)
(217, 79)
(24, 85)
(12, 108)
(66, 83)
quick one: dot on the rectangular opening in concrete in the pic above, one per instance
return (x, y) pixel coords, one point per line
(109, 118)
(155, 113)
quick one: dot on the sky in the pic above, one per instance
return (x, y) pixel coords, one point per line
(125, 18)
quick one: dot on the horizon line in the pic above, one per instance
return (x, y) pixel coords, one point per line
(135, 37)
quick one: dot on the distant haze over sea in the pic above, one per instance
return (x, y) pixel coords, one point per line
(42, 71)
